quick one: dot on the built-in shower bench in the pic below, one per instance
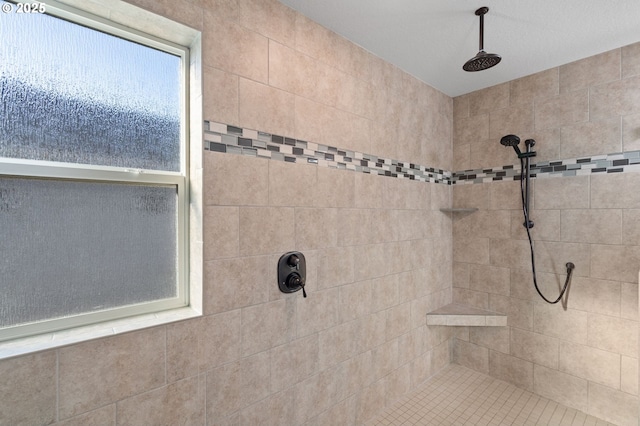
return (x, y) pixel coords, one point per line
(462, 315)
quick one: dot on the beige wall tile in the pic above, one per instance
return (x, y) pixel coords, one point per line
(275, 408)
(335, 267)
(182, 349)
(612, 405)
(489, 99)
(292, 184)
(541, 85)
(384, 293)
(236, 385)
(368, 191)
(615, 262)
(471, 250)
(505, 195)
(343, 413)
(511, 369)
(592, 295)
(461, 275)
(598, 226)
(235, 180)
(537, 348)
(234, 283)
(593, 138)
(469, 130)
(494, 338)
(316, 228)
(471, 355)
(372, 261)
(336, 188)
(398, 320)
(315, 395)
(489, 279)
(560, 387)
(180, 402)
(519, 312)
(562, 193)
(266, 108)
(563, 110)
(310, 118)
(490, 153)
(461, 107)
(548, 144)
(615, 99)
(317, 312)
(220, 96)
(337, 344)
(592, 364)
(613, 334)
(105, 416)
(355, 301)
(631, 60)
(510, 254)
(516, 120)
(265, 230)
(100, 372)
(522, 284)
(630, 134)
(495, 224)
(384, 359)
(471, 196)
(372, 331)
(222, 233)
(546, 225)
(28, 393)
(230, 47)
(590, 71)
(568, 325)
(293, 362)
(462, 157)
(370, 400)
(629, 375)
(615, 191)
(629, 305)
(220, 339)
(269, 18)
(477, 299)
(267, 325)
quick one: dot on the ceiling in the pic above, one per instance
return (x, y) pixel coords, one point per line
(432, 39)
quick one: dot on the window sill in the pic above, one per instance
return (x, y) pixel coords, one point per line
(26, 345)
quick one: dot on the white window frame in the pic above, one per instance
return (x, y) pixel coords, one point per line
(188, 301)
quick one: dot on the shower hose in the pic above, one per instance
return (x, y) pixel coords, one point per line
(525, 210)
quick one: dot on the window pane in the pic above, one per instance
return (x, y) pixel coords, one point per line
(73, 94)
(74, 247)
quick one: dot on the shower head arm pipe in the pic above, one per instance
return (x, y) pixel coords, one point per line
(481, 12)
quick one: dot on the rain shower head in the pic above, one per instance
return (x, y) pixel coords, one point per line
(511, 140)
(482, 60)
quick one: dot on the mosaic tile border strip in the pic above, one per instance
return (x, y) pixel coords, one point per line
(608, 163)
(235, 140)
(219, 137)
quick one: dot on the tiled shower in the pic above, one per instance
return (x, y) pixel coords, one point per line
(315, 145)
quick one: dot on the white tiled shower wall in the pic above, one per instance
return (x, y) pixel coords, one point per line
(380, 253)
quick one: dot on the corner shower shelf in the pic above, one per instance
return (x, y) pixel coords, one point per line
(462, 315)
(459, 210)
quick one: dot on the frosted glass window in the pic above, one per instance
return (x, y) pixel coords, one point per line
(73, 94)
(94, 190)
(68, 248)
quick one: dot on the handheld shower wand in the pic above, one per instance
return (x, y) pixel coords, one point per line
(525, 172)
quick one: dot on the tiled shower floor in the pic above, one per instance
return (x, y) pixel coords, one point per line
(460, 396)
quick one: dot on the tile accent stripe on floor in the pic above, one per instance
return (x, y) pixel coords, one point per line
(230, 139)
